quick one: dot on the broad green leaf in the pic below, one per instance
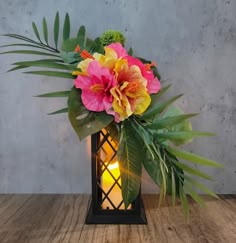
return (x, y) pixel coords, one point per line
(63, 110)
(81, 36)
(169, 121)
(193, 157)
(55, 94)
(36, 32)
(200, 186)
(192, 171)
(173, 111)
(66, 27)
(130, 162)
(184, 201)
(183, 126)
(30, 52)
(43, 63)
(45, 30)
(182, 135)
(158, 108)
(153, 169)
(56, 29)
(52, 74)
(145, 136)
(83, 121)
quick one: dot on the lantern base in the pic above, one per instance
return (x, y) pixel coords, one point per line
(115, 216)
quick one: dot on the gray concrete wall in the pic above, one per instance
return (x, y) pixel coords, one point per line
(194, 43)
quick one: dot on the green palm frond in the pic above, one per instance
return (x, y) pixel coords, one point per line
(56, 29)
(45, 30)
(42, 43)
(66, 27)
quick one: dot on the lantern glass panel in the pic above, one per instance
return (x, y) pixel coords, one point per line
(109, 181)
(107, 206)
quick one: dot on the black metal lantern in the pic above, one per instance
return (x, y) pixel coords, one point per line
(107, 206)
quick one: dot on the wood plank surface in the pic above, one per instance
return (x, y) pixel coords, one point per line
(60, 218)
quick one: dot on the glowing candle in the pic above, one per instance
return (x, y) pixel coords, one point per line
(107, 181)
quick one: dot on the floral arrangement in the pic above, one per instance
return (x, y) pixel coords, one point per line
(117, 91)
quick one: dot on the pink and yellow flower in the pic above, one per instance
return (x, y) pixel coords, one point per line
(96, 86)
(153, 84)
(112, 53)
(116, 82)
(130, 94)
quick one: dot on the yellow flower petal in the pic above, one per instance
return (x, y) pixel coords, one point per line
(121, 69)
(109, 52)
(121, 104)
(142, 103)
(136, 75)
(109, 59)
(76, 73)
(97, 56)
(83, 65)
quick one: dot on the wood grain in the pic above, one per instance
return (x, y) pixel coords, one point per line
(60, 218)
(9, 205)
(46, 218)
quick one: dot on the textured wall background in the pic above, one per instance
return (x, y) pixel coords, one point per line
(194, 43)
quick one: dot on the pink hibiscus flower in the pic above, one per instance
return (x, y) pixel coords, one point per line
(96, 87)
(119, 49)
(153, 84)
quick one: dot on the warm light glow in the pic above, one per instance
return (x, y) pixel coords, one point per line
(113, 166)
(108, 155)
(107, 181)
(114, 169)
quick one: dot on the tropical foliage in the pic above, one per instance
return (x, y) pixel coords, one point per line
(122, 93)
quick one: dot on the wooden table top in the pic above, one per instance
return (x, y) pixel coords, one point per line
(60, 218)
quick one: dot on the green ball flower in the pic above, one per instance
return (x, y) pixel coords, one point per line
(111, 36)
